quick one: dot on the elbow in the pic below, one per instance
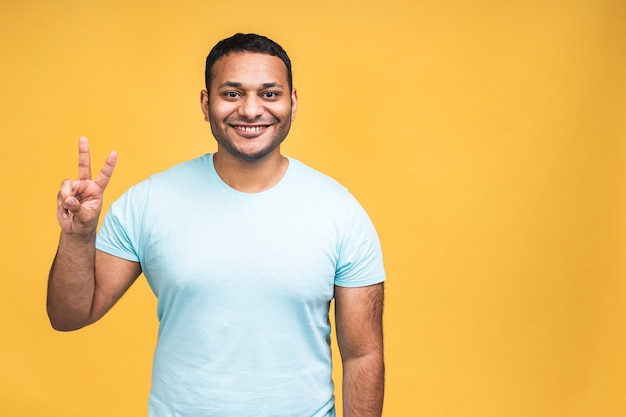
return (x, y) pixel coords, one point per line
(374, 355)
(63, 327)
(61, 324)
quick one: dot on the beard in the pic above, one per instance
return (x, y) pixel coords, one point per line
(220, 133)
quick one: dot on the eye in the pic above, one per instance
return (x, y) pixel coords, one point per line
(231, 94)
(271, 95)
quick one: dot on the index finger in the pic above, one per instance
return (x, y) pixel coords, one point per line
(84, 164)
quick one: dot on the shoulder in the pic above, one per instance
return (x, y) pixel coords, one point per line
(323, 194)
(176, 178)
(181, 175)
(311, 179)
(187, 170)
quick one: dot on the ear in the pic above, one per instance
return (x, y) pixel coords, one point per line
(204, 104)
(294, 104)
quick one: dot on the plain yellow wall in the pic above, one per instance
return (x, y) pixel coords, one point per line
(485, 138)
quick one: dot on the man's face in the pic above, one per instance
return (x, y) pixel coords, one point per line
(249, 105)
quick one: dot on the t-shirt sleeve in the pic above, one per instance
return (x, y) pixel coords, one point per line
(360, 261)
(121, 228)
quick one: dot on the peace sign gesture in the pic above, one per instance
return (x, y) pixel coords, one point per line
(79, 202)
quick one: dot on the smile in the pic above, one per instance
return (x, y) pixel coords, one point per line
(249, 129)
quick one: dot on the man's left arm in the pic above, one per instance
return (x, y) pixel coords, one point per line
(358, 319)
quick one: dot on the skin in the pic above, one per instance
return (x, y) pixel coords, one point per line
(250, 110)
(249, 91)
(84, 283)
(358, 321)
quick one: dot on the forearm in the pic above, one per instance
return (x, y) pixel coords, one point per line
(363, 385)
(71, 282)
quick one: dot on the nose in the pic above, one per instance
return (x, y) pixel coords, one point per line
(251, 107)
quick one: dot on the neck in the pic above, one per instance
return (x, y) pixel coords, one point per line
(250, 176)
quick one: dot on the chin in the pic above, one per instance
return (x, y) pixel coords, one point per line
(251, 155)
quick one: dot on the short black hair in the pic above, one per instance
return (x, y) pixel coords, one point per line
(246, 42)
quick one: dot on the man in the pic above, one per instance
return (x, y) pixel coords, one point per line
(244, 248)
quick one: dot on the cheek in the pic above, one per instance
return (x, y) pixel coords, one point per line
(212, 119)
(216, 114)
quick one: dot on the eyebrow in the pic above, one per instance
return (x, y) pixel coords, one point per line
(234, 84)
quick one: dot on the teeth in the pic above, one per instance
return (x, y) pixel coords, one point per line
(249, 129)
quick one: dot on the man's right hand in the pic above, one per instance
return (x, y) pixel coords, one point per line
(84, 283)
(79, 202)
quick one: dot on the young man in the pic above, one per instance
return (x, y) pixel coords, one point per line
(244, 248)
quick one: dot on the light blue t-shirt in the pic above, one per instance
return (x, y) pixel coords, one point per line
(244, 283)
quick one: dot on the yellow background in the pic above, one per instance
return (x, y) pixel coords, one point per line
(485, 138)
